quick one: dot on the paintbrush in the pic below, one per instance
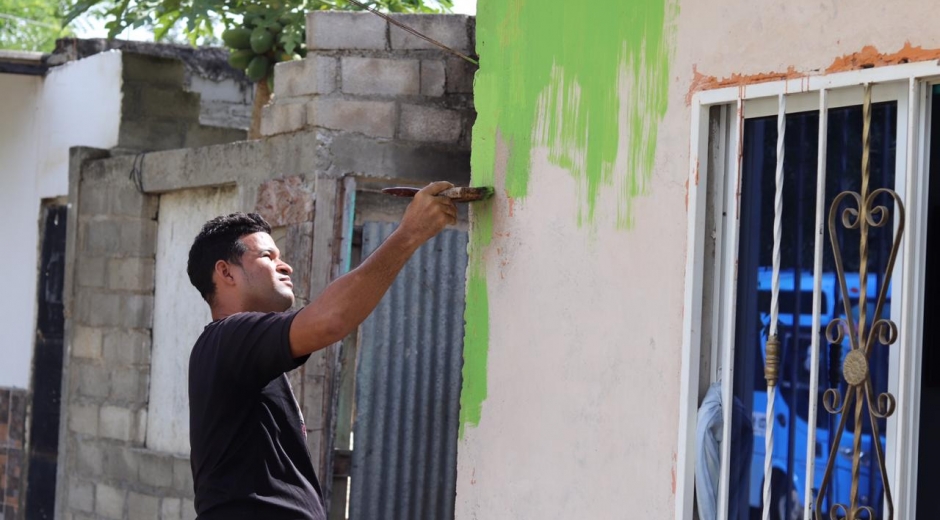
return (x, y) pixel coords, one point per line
(457, 194)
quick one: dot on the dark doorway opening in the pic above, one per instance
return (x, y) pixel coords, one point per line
(928, 454)
(47, 369)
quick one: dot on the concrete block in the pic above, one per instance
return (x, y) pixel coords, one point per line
(381, 76)
(142, 68)
(151, 135)
(170, 508)
(432, 78)
(140, 434)
(116, 197)
(227, 90)
(101, 309)
(183, 477)
(120, 237)
(87, 342)
(459, 76)
(154, 102)
(89, 459)
(449, 29)
(430, 124)
(83, 418)
(343, 30)
(315, 74)
(109, 501)
(115, 422)
(189, 508)
(81, 495)
(91, 271)
(142, 506)
(372, 118)
(198, 135)
(127, 347)
(377, 158)
(121, 464)
(90, 380)
(156, 470)
(130, 385)
(131, 274)
(283, 118)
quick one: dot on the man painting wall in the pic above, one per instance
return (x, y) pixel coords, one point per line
(249, 458)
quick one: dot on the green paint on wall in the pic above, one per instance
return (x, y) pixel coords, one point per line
(561, 74)
(551, 74)
(476, 346)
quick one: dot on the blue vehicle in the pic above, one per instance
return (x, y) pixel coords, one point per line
(795, 348)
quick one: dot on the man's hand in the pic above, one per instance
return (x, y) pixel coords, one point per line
(428, 214)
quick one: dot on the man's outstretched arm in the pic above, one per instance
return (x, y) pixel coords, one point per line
(349, 299)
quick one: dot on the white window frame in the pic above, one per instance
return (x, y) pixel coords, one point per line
(910, 85)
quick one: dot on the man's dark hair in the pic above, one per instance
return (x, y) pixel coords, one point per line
(220, 239)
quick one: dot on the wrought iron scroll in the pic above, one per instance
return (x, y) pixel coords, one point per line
(863, 338)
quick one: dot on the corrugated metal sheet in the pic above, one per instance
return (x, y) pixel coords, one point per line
(404, 464)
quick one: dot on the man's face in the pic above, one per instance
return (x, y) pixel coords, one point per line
(263, 278)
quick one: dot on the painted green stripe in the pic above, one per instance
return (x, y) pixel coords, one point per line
(560, 74)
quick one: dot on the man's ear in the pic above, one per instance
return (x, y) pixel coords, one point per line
(223, 274)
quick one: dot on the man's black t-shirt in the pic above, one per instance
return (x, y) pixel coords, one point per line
(249, 456)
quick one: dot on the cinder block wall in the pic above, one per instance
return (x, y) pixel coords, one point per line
(158, 113)
(366, 77)
(108, 472)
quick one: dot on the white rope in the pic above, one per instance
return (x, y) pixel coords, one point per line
(817, 303)
(774, 300)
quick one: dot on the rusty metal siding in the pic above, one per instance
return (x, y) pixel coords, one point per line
(404, 462)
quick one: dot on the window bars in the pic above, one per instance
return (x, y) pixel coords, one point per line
(842, 89)
(855, 365)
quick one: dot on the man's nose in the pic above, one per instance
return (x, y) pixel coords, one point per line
(285, 269)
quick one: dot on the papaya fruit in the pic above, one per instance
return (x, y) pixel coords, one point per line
(261, 40)
(241, 58)
(258, 68)
(237, 38)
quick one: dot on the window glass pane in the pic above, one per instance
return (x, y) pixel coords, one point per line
(791, 421)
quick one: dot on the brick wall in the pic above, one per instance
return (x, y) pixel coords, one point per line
(12, 450)
(367, 77)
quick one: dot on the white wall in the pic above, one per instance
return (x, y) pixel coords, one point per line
(179, 313)
(19, 210)
(582, 322)
(76, 104)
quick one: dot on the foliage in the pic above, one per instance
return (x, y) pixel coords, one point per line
(259, 33)
(31, 25)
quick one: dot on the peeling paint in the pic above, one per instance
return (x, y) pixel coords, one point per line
(866, 58)
(870, 57)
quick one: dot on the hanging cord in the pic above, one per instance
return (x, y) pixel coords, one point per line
(407, 29)
(137, 172)
(772, 364)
